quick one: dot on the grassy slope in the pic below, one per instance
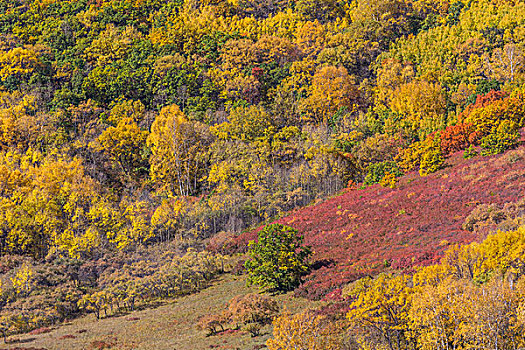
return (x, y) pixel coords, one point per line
(169, 326)
(365, 231)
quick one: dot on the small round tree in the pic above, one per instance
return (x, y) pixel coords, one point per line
(278, 259)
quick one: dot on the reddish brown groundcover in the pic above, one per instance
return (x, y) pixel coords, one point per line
(21, 348)
(367, 231)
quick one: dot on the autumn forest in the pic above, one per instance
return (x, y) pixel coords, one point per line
(364, 155)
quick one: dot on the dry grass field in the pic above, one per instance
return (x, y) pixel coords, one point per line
(168, 326)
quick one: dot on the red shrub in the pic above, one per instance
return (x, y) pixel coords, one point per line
(455, 138)
(100, 345)
(483, 101)
(222, 242)
(257, 72)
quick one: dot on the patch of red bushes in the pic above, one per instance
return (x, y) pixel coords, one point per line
(364, 232)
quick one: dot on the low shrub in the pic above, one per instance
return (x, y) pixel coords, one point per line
(470, 152)
(248, 312)
(211, 324)
(250, 308)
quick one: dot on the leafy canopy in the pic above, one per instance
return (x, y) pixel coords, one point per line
(277, 259)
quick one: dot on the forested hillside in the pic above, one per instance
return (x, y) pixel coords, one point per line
(136, 133)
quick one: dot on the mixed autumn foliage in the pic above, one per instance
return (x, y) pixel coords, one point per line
(129, 122)
(366, 231)
(129, 127)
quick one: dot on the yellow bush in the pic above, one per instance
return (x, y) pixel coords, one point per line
(303, 331)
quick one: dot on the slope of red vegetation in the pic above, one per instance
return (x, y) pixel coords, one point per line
(366, 231)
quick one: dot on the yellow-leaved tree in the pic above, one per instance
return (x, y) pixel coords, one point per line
(421, 105)
(332, 89)
(304, 331)
(124, 142)
(23, 282)
(437, 313)
(166, 219)
(379, 313)
(18, 63)
(178, 151)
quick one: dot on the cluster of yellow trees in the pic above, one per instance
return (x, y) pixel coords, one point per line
(473, 299)
(197, 117)
(48, 204)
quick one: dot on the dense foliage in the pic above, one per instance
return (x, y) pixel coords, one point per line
(186, 117)
(278, 259)
(472, 299)
(126, 124)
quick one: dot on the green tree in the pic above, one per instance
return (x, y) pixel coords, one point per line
(277, 259)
